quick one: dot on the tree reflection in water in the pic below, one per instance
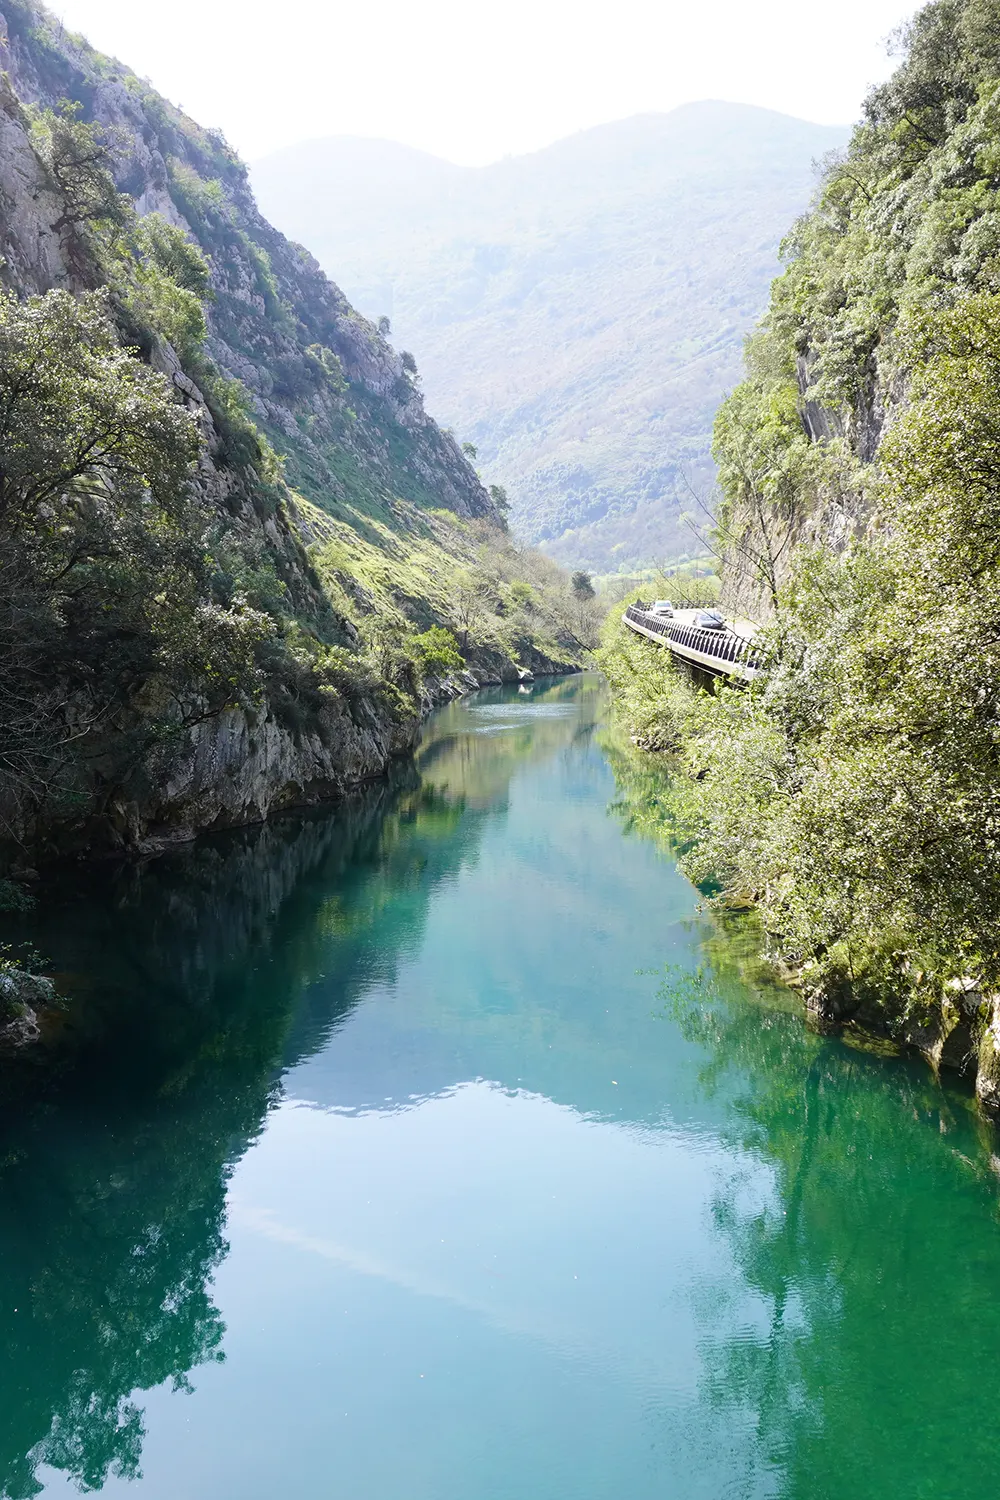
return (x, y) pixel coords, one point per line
(870, 1239)
(873, 1359)
(192, 988)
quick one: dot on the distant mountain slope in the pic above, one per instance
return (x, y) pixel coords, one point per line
(577, 313)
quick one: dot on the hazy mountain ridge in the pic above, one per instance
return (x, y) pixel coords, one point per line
(577, 313)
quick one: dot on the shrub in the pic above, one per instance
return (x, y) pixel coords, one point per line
(436, 652)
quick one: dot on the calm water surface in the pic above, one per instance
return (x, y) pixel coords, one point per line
(438, 1149)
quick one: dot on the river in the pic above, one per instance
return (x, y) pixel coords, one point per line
(438, 1147)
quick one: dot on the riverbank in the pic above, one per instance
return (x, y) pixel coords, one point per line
(732, 781)
(25, 996)
(437, 1144)
(239, 766)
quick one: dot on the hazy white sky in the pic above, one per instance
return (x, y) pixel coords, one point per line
(474, 82)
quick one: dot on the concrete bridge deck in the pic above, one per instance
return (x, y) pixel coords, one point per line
(727, 653)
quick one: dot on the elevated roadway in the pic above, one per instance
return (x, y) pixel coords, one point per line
(728, 652)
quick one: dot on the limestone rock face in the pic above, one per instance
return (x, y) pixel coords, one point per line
(988, 1061)
(31, 247)
(957, 1030)
(238, 767)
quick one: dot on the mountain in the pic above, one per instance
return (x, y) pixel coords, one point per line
(233, 542)
(577, 314)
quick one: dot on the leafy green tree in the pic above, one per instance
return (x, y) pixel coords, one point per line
(763, 456)
(82, 421)
(470, 595)
(108, 617)
(165, 279)
(78, 158)
(437, 653)
(583, 585)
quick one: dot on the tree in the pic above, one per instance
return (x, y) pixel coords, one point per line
(79, 157)
(469, 595)
(763, 453)
(471, 451)
(501, 500)
(384, 326)
(583, 585)
(436, 652)
(83, 423)
(109, 621)
(164, 279)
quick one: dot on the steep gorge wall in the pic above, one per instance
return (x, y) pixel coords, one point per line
(319, 381)
(904, 227)
(272, 306)
(860, 459)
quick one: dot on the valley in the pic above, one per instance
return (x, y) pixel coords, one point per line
(576, 315)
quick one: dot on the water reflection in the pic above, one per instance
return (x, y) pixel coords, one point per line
(390, 1133)
(116, 1148)
(195, 980)
(877, 1256)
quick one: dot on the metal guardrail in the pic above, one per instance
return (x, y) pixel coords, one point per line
(725, 646)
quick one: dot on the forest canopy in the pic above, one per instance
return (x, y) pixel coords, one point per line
(852, 795)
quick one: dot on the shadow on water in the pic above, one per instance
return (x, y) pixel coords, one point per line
(192, 988)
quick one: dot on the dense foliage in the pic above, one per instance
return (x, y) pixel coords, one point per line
(113, 617)
(853, 794)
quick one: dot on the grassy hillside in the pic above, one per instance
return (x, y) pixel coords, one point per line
(576, 314)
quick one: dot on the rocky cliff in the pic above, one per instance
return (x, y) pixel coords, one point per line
(859, 461)
(904, 224)
(273, 313)
(286, 366)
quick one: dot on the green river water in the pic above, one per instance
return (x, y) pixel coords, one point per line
(436, 1148)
